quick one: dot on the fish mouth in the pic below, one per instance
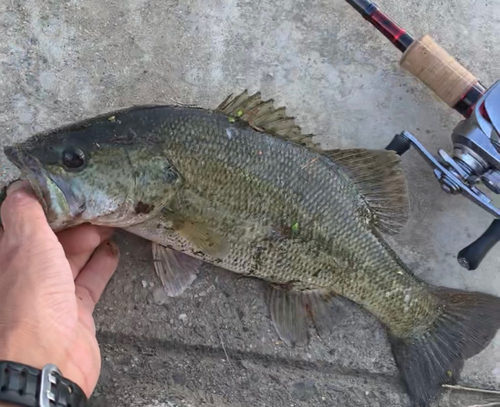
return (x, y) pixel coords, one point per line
(56, 196)
(13, 156)
(30, 170)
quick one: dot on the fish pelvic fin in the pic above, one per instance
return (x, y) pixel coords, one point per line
(176, 270)
(380, 179)
(263, 116)
(467, 324)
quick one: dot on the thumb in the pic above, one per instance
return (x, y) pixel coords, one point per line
(21, 213)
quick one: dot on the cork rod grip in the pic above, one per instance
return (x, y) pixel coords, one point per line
(438, 70)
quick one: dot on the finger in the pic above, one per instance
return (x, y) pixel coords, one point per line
(93, 279)
(22, 215)
(80, 242)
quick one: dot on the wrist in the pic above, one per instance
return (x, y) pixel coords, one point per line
(67, 370)
(21, 346)
(24, 385)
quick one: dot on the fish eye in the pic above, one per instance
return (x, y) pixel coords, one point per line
(73, 158)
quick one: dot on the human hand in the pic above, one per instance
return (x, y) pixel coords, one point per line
(49, 286)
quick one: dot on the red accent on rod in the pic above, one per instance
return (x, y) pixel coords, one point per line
(390, 29)
(393, 32)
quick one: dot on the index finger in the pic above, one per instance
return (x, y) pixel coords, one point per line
(80, 242)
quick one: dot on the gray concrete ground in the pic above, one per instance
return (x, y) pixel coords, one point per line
(65, 60)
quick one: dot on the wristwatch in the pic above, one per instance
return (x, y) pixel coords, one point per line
(27, 386)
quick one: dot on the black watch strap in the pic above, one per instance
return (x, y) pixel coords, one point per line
(30, 387)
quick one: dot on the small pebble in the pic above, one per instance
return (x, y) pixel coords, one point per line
(304, 391)
(160, 297)
(144, 283)
(183, 317)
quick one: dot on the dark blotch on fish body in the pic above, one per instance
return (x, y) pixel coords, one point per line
(143, 208)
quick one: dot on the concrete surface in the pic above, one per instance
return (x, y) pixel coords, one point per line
(65, 60)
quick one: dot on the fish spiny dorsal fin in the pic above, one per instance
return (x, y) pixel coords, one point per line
(264, 117)
(379, 178)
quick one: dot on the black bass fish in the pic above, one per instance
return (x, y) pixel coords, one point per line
(242, 188)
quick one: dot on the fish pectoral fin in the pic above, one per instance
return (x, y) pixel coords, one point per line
(203, 237)
(380, 179)
(176, 270)
(292, 311)
(263, 116)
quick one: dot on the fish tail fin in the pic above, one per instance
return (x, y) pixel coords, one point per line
(467, 324)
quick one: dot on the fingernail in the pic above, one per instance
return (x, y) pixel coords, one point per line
(113, 247)
(17, 185)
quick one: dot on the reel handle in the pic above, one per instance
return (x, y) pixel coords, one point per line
(399, 144)
(471, 256)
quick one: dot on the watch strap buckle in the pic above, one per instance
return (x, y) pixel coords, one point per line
(48, 382)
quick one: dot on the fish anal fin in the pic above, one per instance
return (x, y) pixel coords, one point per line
(176, 270)
(292, 312)
(289, 316)
(265, 117)
(320, 310)
(380, 179)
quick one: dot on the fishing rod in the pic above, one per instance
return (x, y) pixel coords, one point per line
(475, 158)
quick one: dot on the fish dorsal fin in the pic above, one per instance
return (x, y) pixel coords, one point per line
(264, 117)
(379, 178)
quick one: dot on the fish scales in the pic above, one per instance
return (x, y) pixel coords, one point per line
(242, 188)
(271, 187)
